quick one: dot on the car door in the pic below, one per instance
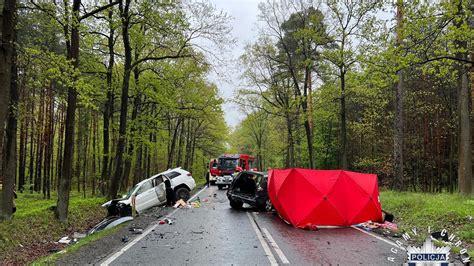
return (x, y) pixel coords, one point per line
(160, 190)
(145, 197)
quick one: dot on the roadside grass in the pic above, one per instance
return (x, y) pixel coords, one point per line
(32, 231)
(438, 211)
(51, 259)
(200, 182)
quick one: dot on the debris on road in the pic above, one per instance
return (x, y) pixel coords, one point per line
(125, 239)
(369, 226)
(181, 204)
(166, 221)
(65, 240)
(188, 205)
(78, 235)
(136, 231)
(390, 226)
(195, 204)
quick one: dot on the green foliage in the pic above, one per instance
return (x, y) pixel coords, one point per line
(365, 50)
(438, 211)
(34, 223)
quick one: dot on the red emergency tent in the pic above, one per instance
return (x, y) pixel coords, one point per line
(306, 197)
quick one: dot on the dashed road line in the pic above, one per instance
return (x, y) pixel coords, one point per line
(145, 233)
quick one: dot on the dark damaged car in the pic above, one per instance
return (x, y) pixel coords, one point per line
(251, 188)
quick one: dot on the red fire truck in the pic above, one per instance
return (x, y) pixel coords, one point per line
(212, 172)
(228, 164)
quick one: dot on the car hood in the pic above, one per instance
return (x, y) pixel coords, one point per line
(123, 201)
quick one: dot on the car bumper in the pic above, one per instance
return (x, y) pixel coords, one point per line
(254, 201)
(223, 183)
(224, 180)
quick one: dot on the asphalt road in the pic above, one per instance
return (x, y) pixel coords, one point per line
(216, 234)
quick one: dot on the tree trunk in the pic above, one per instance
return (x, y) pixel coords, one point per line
(398, 123)
(9, 164)
(115, 182)
(187, 156)
(6, 57)
(78, 150)
(95, 152)
(85, 152)
(465, 152)
(39, 144)
(32, 146)
(180, 145)
(173, 145)
(343, 118)
(308, 124)
(48, 143)
(135, 112)
(471, 7)
(109, 104)
(290, 157)
(148, 157)
(59, 164)
(7, 178)
(65, 181)
(23, 145)
(138, 173)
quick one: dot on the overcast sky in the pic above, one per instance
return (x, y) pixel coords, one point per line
(244, 30)
(244, 14)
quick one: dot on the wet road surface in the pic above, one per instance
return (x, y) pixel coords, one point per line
(216, 234)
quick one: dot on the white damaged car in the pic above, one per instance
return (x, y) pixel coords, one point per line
(151, 192)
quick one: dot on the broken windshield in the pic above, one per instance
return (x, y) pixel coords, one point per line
(130, 191)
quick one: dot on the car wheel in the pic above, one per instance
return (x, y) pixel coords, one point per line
(220, 186)
(182, 193)
(236, 204)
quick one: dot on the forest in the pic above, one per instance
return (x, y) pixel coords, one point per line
(370, 86)
(98, 95)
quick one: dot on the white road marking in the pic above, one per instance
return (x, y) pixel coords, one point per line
(264, 244)
(140, 237)
(275, 246)
(379, 238)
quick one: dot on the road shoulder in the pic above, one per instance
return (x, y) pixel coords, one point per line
(98, 250)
